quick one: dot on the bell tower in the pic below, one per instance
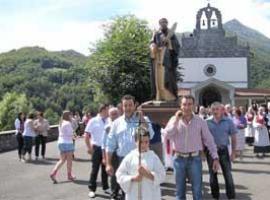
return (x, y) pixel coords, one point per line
(208, 18)
(214, 64)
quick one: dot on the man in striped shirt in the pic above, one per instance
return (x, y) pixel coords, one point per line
(189, 134)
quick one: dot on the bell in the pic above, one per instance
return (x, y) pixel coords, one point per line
(214, 22)
(203, 22)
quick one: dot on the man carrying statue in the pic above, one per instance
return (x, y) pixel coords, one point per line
(164, 56)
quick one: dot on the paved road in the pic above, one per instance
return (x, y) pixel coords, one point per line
(30, 181)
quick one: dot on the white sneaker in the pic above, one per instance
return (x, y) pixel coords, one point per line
(92, 194)
(107, 191)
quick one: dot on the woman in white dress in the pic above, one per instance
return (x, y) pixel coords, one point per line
(261, 138)
(240, 122)
(249, 131)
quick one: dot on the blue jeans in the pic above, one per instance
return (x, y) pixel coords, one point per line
(27, 144)
(191, 167)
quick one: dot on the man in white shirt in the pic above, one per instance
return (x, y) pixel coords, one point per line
(93, 139)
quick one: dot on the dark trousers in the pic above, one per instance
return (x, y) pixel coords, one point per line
(20, 144)
(115, 187)
(225, 164)
(96, 163)
(27, 144)
(40, 140)
(158, 149)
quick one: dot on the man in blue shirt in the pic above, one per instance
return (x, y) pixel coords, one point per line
(121, 136)
(222, 128)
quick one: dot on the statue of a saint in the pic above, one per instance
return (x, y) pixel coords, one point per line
(164, 49)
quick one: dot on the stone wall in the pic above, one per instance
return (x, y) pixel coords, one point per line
(8, 138)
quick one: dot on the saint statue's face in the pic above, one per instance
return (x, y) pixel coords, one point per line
(163, 24)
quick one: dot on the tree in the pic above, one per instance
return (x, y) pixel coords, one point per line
(52, 116)
(119, 63)
(48, 79)
(10, 106)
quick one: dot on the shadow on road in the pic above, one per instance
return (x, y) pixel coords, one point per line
(40, 162)
(251, 162)
(248, 171)
(102, 196)
(52, 159)
(82, 160)
(81, 182)
(168, 189)
(239, 194)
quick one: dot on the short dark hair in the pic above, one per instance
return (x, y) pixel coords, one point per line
(141, 132)
(40, 113)
(31, 115)
(238, 112)
(163, 19)
(188, 97)
(19, 116)
(102, 107)
(128, 97)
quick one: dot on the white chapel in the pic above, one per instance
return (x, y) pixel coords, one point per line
(215, 66)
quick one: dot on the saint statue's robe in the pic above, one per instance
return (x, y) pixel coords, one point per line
(169, 62)
(150, 190)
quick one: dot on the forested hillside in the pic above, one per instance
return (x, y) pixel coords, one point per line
(51, 81)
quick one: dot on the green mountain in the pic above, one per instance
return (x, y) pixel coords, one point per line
(52, 81)
(260, 51)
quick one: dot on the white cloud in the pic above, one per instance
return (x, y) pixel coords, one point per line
(70, 35)
(181, 11)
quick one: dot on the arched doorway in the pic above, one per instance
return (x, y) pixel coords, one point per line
(209, 95)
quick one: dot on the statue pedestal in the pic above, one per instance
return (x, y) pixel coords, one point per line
(160, 111)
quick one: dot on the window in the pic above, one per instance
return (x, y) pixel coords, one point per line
(210, 70)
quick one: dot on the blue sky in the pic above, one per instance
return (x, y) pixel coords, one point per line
(74, 24)
(67, 9)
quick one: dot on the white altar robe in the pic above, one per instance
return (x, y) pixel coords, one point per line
(129, 168)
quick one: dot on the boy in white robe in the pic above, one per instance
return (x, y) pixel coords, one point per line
(141, 181)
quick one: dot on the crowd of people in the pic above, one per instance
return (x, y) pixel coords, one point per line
(253, 126)
(31, 128)
(134, 153)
